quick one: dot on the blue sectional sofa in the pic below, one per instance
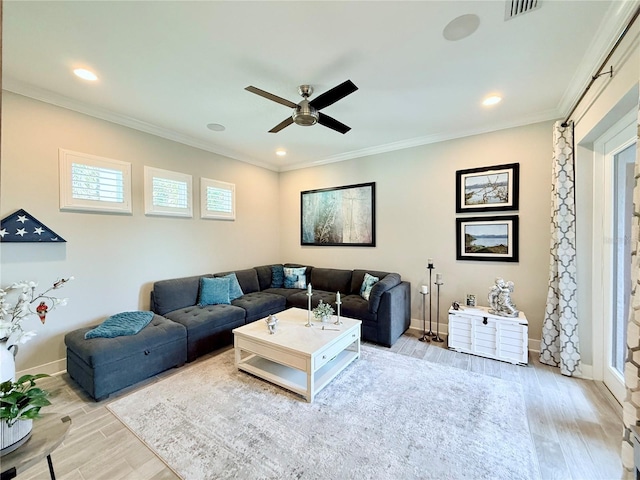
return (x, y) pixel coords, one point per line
(385, 316)
(182, 330)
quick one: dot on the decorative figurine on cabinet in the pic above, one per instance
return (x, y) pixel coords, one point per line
(500, 299)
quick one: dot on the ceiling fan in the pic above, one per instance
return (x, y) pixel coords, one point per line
(307, 112)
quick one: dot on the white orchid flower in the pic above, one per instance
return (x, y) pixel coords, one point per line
(60, 302)
(6, 329)
(24, 337)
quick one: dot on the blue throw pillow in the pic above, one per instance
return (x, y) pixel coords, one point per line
(214, 291)
(235, 291)
(367, 284)
(277, 276)
(126, 323)
(295, 277)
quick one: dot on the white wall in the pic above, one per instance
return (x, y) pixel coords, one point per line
(415, 206)
(116, 258)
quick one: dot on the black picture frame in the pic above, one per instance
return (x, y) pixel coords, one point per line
(339, 216)
(498, 234)
(488, 189)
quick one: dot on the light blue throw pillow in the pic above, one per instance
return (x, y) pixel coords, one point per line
(295, 277)
(235, 291)
(214, 291)
(121, 324)
(367, 284)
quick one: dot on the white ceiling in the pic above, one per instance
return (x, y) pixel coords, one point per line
(171, 68)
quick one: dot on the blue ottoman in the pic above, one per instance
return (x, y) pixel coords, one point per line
(105, 365)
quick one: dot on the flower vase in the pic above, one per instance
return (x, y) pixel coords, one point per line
(12, 437)
(326, 318)
(7, 362)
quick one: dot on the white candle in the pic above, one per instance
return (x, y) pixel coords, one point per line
(430, 262)
(309, 289)
(338, 297)
(425, 289)
(439, 278)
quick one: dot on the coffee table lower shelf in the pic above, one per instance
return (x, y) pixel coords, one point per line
(297, 381)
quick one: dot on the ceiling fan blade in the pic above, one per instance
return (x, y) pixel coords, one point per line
(332, 96)
(285, 123)
(271, 96)
(332, 123)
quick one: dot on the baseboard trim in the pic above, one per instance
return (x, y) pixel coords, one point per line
(57, 367)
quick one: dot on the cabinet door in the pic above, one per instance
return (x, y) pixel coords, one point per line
(460, 332)
(513, 340)
(485, 336)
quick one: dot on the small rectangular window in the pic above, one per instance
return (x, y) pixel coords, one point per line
(92, 183)
(167, 193)
(217, 199)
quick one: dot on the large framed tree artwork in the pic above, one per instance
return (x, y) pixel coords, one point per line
(339, 216)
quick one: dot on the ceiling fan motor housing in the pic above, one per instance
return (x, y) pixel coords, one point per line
(304, 114)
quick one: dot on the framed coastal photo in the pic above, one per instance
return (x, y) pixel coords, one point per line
(339, 216)
(487, 238)
(488, 189)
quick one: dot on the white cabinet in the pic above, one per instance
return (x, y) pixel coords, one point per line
(475, 330)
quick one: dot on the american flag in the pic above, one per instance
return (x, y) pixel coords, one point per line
(22, 227)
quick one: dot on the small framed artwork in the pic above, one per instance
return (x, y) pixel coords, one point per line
(488, 189)
(487, 238)
(339, 216)
(471, 300)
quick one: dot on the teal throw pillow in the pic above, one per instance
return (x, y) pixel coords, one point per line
(295, 277)
(214, 291)
(120, 324)
(277, 276)
(367, 284)
(235, 291)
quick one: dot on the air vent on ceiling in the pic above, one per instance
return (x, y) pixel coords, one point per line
(516, 8)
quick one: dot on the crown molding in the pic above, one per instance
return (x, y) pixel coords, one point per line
(614, 22)
(58, 100)
(434, 138)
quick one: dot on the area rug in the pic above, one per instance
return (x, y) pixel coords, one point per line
(386, 416)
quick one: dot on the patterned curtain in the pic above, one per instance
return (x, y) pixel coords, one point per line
(631, 404)
(559, 345)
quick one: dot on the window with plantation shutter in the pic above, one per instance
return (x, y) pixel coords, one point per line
(167, 193)
(217, 199)
(92, 183)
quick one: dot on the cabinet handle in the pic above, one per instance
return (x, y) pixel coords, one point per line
(484, 320)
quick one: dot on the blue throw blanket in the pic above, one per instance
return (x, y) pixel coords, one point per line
(126, 323)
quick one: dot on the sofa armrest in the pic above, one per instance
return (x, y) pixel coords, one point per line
(385, 284)
(394, 314)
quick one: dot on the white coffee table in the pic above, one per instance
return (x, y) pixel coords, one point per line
(298, 358)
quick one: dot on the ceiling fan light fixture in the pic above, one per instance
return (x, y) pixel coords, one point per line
(304, 114)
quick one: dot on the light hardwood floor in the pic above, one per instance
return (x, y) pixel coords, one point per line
(575, 424)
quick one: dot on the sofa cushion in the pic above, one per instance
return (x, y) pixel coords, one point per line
(264, 276)
(301, 300)
(354, 306)
(248, 279)
(214, 291)
(367, 284)
(295, 277)
(209, 318)
(283, 292)
(331, 280)
(260, 304)
(170, 295)
(358, 277)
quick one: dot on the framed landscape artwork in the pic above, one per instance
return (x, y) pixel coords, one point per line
(487, 189)
(487, 238)
(339, 216)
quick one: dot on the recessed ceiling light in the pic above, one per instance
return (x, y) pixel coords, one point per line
(85, 74)
(216, 127)
(461, 27)
(492, 100)
(281, 152)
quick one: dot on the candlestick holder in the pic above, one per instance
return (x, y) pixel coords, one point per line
(424, 337)
(436, 336)
(338, 303)
(309, 324)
